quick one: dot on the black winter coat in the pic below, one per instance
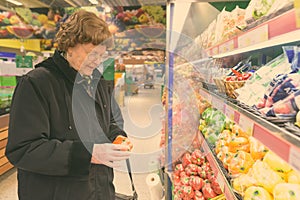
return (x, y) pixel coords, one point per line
(53, 125)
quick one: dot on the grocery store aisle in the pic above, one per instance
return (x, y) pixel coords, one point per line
(142, 115)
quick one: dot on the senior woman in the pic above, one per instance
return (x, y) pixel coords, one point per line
(64, 119)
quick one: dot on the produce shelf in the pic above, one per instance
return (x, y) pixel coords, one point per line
(282, 142)
(276, 31)
(215, 166)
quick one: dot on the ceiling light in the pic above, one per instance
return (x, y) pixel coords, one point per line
(95, 2)
(71, 3)
(15, 2)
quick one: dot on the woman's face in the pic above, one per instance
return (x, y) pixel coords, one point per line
(85, 57)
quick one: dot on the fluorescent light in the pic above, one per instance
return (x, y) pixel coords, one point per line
(15, 2)
(95, 2)
(71, 3)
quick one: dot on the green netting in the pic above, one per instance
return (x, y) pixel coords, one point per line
(229, 6)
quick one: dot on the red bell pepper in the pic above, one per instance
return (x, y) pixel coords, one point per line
(186, 159)
(208, 191)
(196, 182)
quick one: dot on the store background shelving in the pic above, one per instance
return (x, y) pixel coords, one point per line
(270, 33)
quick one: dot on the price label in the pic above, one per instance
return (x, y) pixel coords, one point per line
(218, 104)
(221, 182)
(212, 163)
(229, 112)
(246, 124)
(228, 193)
(237, 117)
(206, 96)
(254, 37)
(226, 47)
(205, 147)
(215, 51)
(294, 158)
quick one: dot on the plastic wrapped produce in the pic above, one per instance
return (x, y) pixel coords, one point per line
(257, 149)
(276, 163)
(241, 183)
(286, 191)
(265, 176)
(257, 193)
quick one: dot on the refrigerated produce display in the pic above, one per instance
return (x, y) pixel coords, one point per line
(233, 101)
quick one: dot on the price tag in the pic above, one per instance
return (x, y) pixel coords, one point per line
(228, 193)
(255, 36)
(227, 46)
(215, 51)
(218, 104)
(237, 117)
(206, 96)
(212, 163)
(294, 158)
(229, 112)
(221, 181)
(246, 124)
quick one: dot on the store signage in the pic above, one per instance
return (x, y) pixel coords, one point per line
(255, 36)
(7, 55)
(23, 65)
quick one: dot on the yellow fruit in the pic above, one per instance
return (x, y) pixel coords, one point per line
(276, 163)
(286, 191)
(293, 177)
(257, 193)
(241, 183)
(283, 176)
(14, 19)
(265, 176)
(42, 18)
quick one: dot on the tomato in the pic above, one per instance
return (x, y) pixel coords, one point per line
(185, 180)
(199, 195)
(188, 192)
(208, 191)
(196, 182)
(215, 185)
(176, 180)
(178, 169)
(186, 159)
(197, 157)
(191, 169)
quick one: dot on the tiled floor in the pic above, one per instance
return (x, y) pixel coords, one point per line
(142, 114)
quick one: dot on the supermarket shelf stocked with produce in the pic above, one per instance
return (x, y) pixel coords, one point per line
(236, 86)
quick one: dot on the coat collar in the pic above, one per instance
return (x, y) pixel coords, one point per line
(69, 72)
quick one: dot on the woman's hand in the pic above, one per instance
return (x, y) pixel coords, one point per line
(120, 139)
(107, 153)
